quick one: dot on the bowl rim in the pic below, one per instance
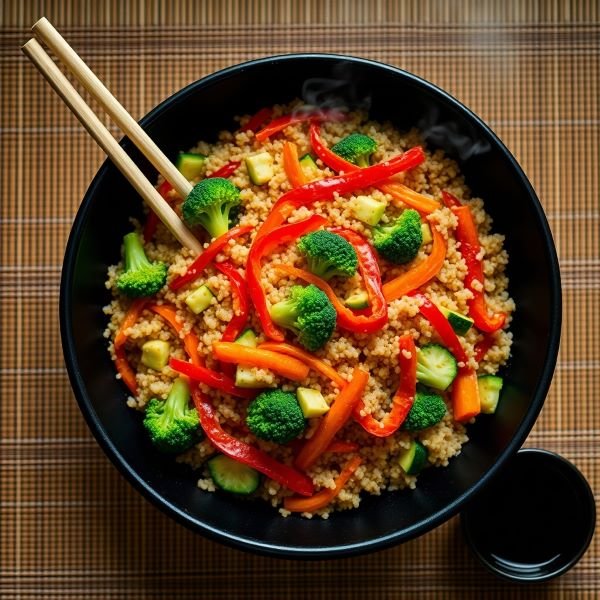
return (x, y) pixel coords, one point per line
(545, 458)
(264, 547)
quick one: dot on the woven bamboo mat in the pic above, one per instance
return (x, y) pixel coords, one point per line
(70, 525)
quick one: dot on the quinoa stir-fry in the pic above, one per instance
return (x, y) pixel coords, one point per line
(347, 317)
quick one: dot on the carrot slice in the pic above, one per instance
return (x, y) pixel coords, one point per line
(131, 318)
(190, 340)
(334, 420)
(324, 497)
(124, 369)
(342, 447)
(419, 202)
(465, 396)
(291, 164)
(288, 367)
(421, 274)
(312, 361)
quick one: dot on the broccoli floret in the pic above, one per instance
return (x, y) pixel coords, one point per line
(399, 242)
(140, 277)
(172, 425)
(275, 416)
(356, 148)
(328, 254)
(309, 313)
(427, 410)
(209, 203)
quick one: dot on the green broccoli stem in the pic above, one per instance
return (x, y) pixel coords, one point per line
(285, 313)
(216, 220)
(135, 256)
(362, 161)
(178, 399)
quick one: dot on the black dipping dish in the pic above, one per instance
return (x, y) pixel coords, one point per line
(534, 521)
(200, 111)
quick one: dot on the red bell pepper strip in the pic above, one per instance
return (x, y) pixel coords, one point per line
(439, 322)
(317, 114)
(203, 260)
(369, 270)
(325, 189)
(260, 248)
(239, 291)
(152, 221)
(226, 170)
(257, 119)
(403, 398)
(211, 378)
(482, 347)
(125, 371)
(242, 452)
(466, 234)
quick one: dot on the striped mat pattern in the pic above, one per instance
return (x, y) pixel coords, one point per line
(70, 526)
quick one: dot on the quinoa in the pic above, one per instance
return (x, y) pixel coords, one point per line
(376, 353)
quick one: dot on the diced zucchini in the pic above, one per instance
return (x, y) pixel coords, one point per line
(311, 402)
(260, 167)
(426, 233)
(358, 300)
(460, 323)
(436, 366)
(155, 354)
(247, 338)
(191, 166)
(490, 387)
(199, 299)
(309, 166)
(233, 476)
(367, 210)
(414, 459)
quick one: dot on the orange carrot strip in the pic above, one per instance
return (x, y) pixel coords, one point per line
(341, 447)
(312, 361)
(419, 202)
(190, 340)
(334, 420)
(288, 367)
(125, 370)
(131, 317)
(324, 497)
(465, 396)
(421, 274)
(291, 164)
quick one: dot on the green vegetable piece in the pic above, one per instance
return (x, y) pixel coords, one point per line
(199, 299)
(427, 410)
(356, 148)
(191, 166)
(171, 424)
(426, 233)
(155, 354)
(209, 204)
(367, 209)
(247, 338)
(275, 416)
(436, 366)
(309, 313)
(311, 402)
(233, 476)
(358, 300)
(490, 387)
(141, 277)
(400, 241)
(414, 458)
(328, 254)
(245, 376)
(460, 323)
(260, 167)
(309, 166)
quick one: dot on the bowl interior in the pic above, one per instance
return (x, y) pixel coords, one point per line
(199, 112)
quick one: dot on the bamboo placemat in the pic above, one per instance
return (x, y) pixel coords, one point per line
(70, 525)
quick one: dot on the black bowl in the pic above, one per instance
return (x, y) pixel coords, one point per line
(198, 112)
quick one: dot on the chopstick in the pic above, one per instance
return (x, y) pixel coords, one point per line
(61, 85)
(72, 61)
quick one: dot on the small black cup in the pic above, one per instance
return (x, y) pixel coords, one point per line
(534, 521)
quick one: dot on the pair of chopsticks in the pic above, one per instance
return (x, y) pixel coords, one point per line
(61, 85)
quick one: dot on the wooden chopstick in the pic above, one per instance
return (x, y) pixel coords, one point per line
(34, 51)
(72, 61)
